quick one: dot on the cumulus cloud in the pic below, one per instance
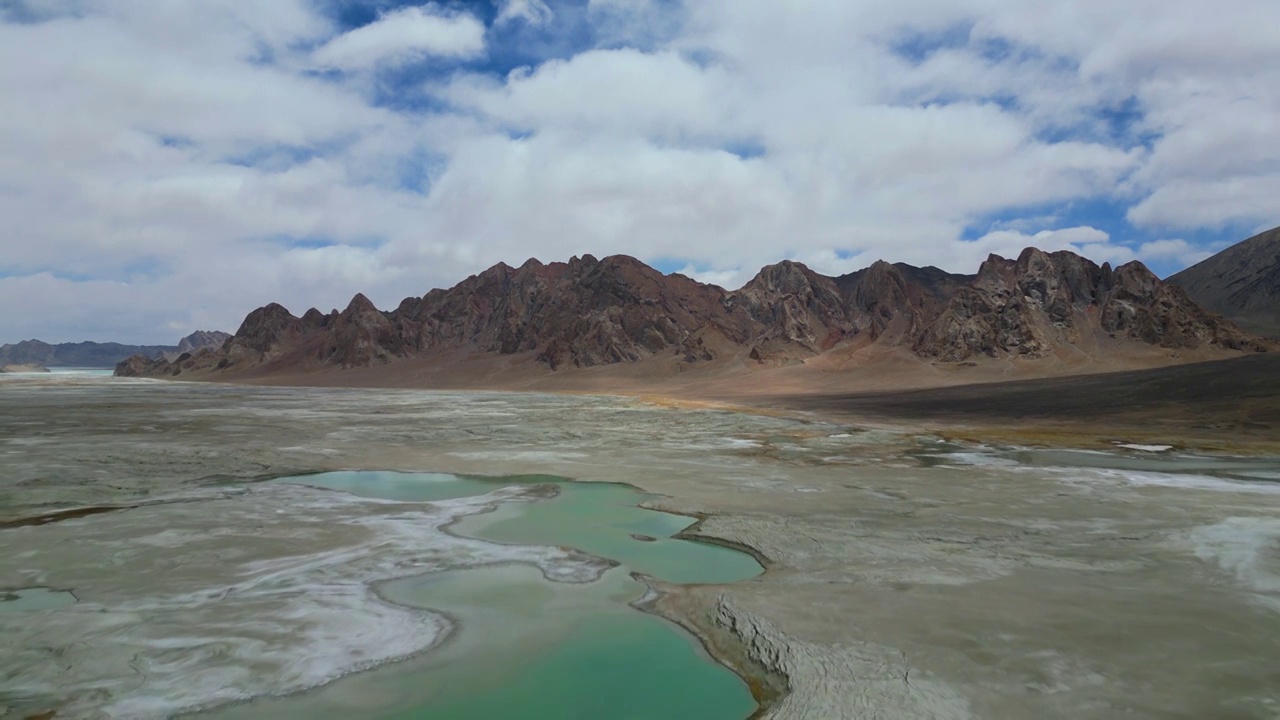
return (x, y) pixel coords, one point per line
(723, 278)
(1210, 203)
(169, 166)
(623, 92)
(533, 12)
(404, 35)
(1178, 250)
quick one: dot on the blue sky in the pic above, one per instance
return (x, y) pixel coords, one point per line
(171, 166)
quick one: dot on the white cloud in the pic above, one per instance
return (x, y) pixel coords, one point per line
(625, 93)
(404, 35)
(730, 279)
(1210, 202)
(1176, 250)
(634, 23)
(1205, 77)
(171, 152)
(533, 12)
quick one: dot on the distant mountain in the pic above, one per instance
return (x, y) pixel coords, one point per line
(196, 341)
(590, 312)
(203, 339)
(94, 355)
(83, 354)
(1241, 283)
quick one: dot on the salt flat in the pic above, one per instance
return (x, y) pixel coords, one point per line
(906, 576)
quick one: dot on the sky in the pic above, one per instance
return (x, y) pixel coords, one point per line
(169, 165)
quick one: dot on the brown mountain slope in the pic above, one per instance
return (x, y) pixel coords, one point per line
(582, 313)
(590, 312)
(1043, 302)
(1241, 283)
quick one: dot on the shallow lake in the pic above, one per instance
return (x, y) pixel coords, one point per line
(34, 599)
(524, 646)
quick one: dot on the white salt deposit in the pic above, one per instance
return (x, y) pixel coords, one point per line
(1180, 480)
(1145, 448)
(1247, 548)
(978, 458)
(266, 592)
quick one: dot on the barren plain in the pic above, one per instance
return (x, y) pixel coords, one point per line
(907, 575)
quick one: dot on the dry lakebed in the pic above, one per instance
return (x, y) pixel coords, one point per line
(234, 552)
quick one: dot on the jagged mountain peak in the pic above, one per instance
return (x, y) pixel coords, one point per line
(1045, 301)
(359, 305)
(590, 311)
(314, 319)
(264, 328)
(267, 314)
(785, 276)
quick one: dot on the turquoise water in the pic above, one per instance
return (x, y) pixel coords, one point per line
(527, 647)
(83, 371)
(408, 487)
(34, 599)
(582, 660)
(600, 519)
(596, 518)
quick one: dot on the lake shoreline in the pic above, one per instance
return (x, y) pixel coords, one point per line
(758, 680)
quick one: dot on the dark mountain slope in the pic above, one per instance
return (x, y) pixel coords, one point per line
(1241, 283)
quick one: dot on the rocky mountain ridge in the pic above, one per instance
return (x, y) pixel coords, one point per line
(202, 339)
(590, 312)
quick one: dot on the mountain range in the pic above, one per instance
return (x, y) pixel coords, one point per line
(103, 355)
(587, 313)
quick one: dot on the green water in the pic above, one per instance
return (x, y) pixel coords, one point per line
(600, 519)
(563, 652)
(34, 599)
(527, 647)
(596, 518)
(409, 487)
